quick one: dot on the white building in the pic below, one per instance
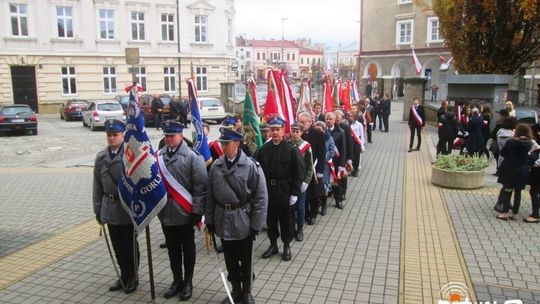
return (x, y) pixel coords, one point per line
(244, 58)
(60, 49)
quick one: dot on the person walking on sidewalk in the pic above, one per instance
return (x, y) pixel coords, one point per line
(284, 171)
(157, 110)
(417, 122)
(109, 210)
(185, 170)
(236, 210)
(514, 170)
(386, 110)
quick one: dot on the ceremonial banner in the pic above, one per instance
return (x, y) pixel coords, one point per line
(328, 104)
(252, 89)
(141, 188)
(200, 142)
(417, 64)
(252, 128)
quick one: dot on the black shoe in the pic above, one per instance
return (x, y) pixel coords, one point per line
(354, 173)
(219, 249)
(410, 150)
(247, 298)
(300, 235)
(417, 149)
(286, 252)
(131, 286)
(311, 221)
(272, 250)
(187, 291)
(339, 205)
(163, 245)
(116, 286)
(173, 290)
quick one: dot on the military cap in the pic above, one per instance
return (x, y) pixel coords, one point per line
(276, 122)
(229, 121)
(172, 127)
(297, 126)
(228, 135)
(114, 125)
(264, 126)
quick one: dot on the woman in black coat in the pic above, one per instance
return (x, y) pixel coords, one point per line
(486, 116)
(534, 181)
(514, 170)
(475, 141)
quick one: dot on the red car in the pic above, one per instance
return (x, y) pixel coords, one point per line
(72, 109)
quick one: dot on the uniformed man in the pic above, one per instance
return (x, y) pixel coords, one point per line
(265, 132)
(109, 209)
(339, 157)
(236, 210)
(305, 151)
(284, 172)
(184, 207)
(235, 123)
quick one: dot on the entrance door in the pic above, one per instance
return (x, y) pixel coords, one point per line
(23, 79)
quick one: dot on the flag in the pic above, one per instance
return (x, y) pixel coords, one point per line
(328, 104)
(346, 95)
(336, 91)
(304, 104)
(417, 64)
(200, 142)
(288, 100)
(141, 188)
(252, 89)
(442, 59)
(251, 125)
(355, 97)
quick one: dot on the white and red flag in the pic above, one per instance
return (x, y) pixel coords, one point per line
(417, 64)
(252, 89)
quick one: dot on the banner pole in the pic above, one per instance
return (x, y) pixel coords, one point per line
(150, 267)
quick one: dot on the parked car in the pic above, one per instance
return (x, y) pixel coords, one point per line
(101, 110)
(17, 118)
(123, 100)
(146, 107)
(73, 108)
(528, 116)
(212, 109)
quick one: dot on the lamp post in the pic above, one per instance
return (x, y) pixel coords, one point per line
(282, 38)
(234, 68)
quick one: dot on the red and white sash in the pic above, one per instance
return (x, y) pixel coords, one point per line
(356, 137)
(179, 194)
(416, 117)
(303, 147)
(332, 170)
(216, 145)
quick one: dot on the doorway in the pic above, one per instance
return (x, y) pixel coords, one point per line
(23, 80)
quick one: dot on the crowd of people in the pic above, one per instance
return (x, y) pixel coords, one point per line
(514, 146)
(280, 186)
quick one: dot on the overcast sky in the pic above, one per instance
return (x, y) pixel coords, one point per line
(325, 21)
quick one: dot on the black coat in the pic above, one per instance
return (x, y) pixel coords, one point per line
(536, 132)
(341, 146)
(386, 107)
(534, 174)
(475, 141)
(348, 139)
(449, 126)
(318, 148)
(514, 169)
(412, 121)
(284, 170)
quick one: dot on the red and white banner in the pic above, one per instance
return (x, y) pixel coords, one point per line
(305, 97)
(216, 146)
(417, 64)
(416, 116)
(252, 87)
(304, 146)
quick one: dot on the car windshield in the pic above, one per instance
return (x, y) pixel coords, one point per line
(16, 111)
(109, 107)
(78, 103)
(211, 103)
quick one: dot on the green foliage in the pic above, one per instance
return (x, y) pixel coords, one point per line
(461, 163)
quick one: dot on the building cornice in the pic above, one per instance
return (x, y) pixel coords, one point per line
(393, 53)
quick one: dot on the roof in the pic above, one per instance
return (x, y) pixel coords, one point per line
(273, 43)
(306, 51)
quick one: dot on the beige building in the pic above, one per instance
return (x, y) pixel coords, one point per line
(311, 61)
(55, 50)
(390, 30)
(274, 53)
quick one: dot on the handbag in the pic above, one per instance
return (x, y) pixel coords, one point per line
(494, 146)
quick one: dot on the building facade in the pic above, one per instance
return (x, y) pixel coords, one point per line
(274, 53)
(55, 50)
(386, 47)
(311, 62)
(244, 58)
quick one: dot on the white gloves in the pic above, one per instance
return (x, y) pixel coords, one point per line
(320, 175)
(292, 200)
(304, 186)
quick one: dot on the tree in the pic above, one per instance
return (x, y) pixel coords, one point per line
(489, 36)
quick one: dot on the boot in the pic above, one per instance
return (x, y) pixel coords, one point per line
(272, 250)
(286, 252)
(323, 206)
(131, 285)
(247, 298)
(187, 291)
(338, 204)
(116, 286)
(300, 233)
(236, 294)
(173, 290)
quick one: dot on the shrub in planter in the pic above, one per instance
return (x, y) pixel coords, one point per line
(459, 171)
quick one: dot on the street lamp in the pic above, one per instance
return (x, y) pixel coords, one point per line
(234, 68)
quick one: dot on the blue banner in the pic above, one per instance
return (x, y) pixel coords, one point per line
(200, 142)
(142, 190)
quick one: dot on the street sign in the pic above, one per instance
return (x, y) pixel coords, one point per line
(133, 70)
(132, 55)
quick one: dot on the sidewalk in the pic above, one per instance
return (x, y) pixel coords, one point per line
(398, 240)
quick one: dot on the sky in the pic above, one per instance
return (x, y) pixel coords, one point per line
(324, 21)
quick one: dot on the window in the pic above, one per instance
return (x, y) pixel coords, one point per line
(433, 34)
(248, 54)
(106, 24)
(275, 56)
(169, 79)
(200, 28)
(229, 31)
(258, 56)
(137, 26)
(288, 56)
(264, 56)
(64, 20)
(293, 57)
(319, 60)
(202, 79)
(301, 60)
(69, 83)
(167, 27)
(109, 80)
(404, 32)
(19, 19)
(140, 77)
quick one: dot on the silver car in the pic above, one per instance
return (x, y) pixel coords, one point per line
(101, 110)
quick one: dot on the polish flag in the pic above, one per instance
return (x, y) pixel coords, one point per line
(416, 62)
(442, 59)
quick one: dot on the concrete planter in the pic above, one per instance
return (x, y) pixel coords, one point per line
(457, 179)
